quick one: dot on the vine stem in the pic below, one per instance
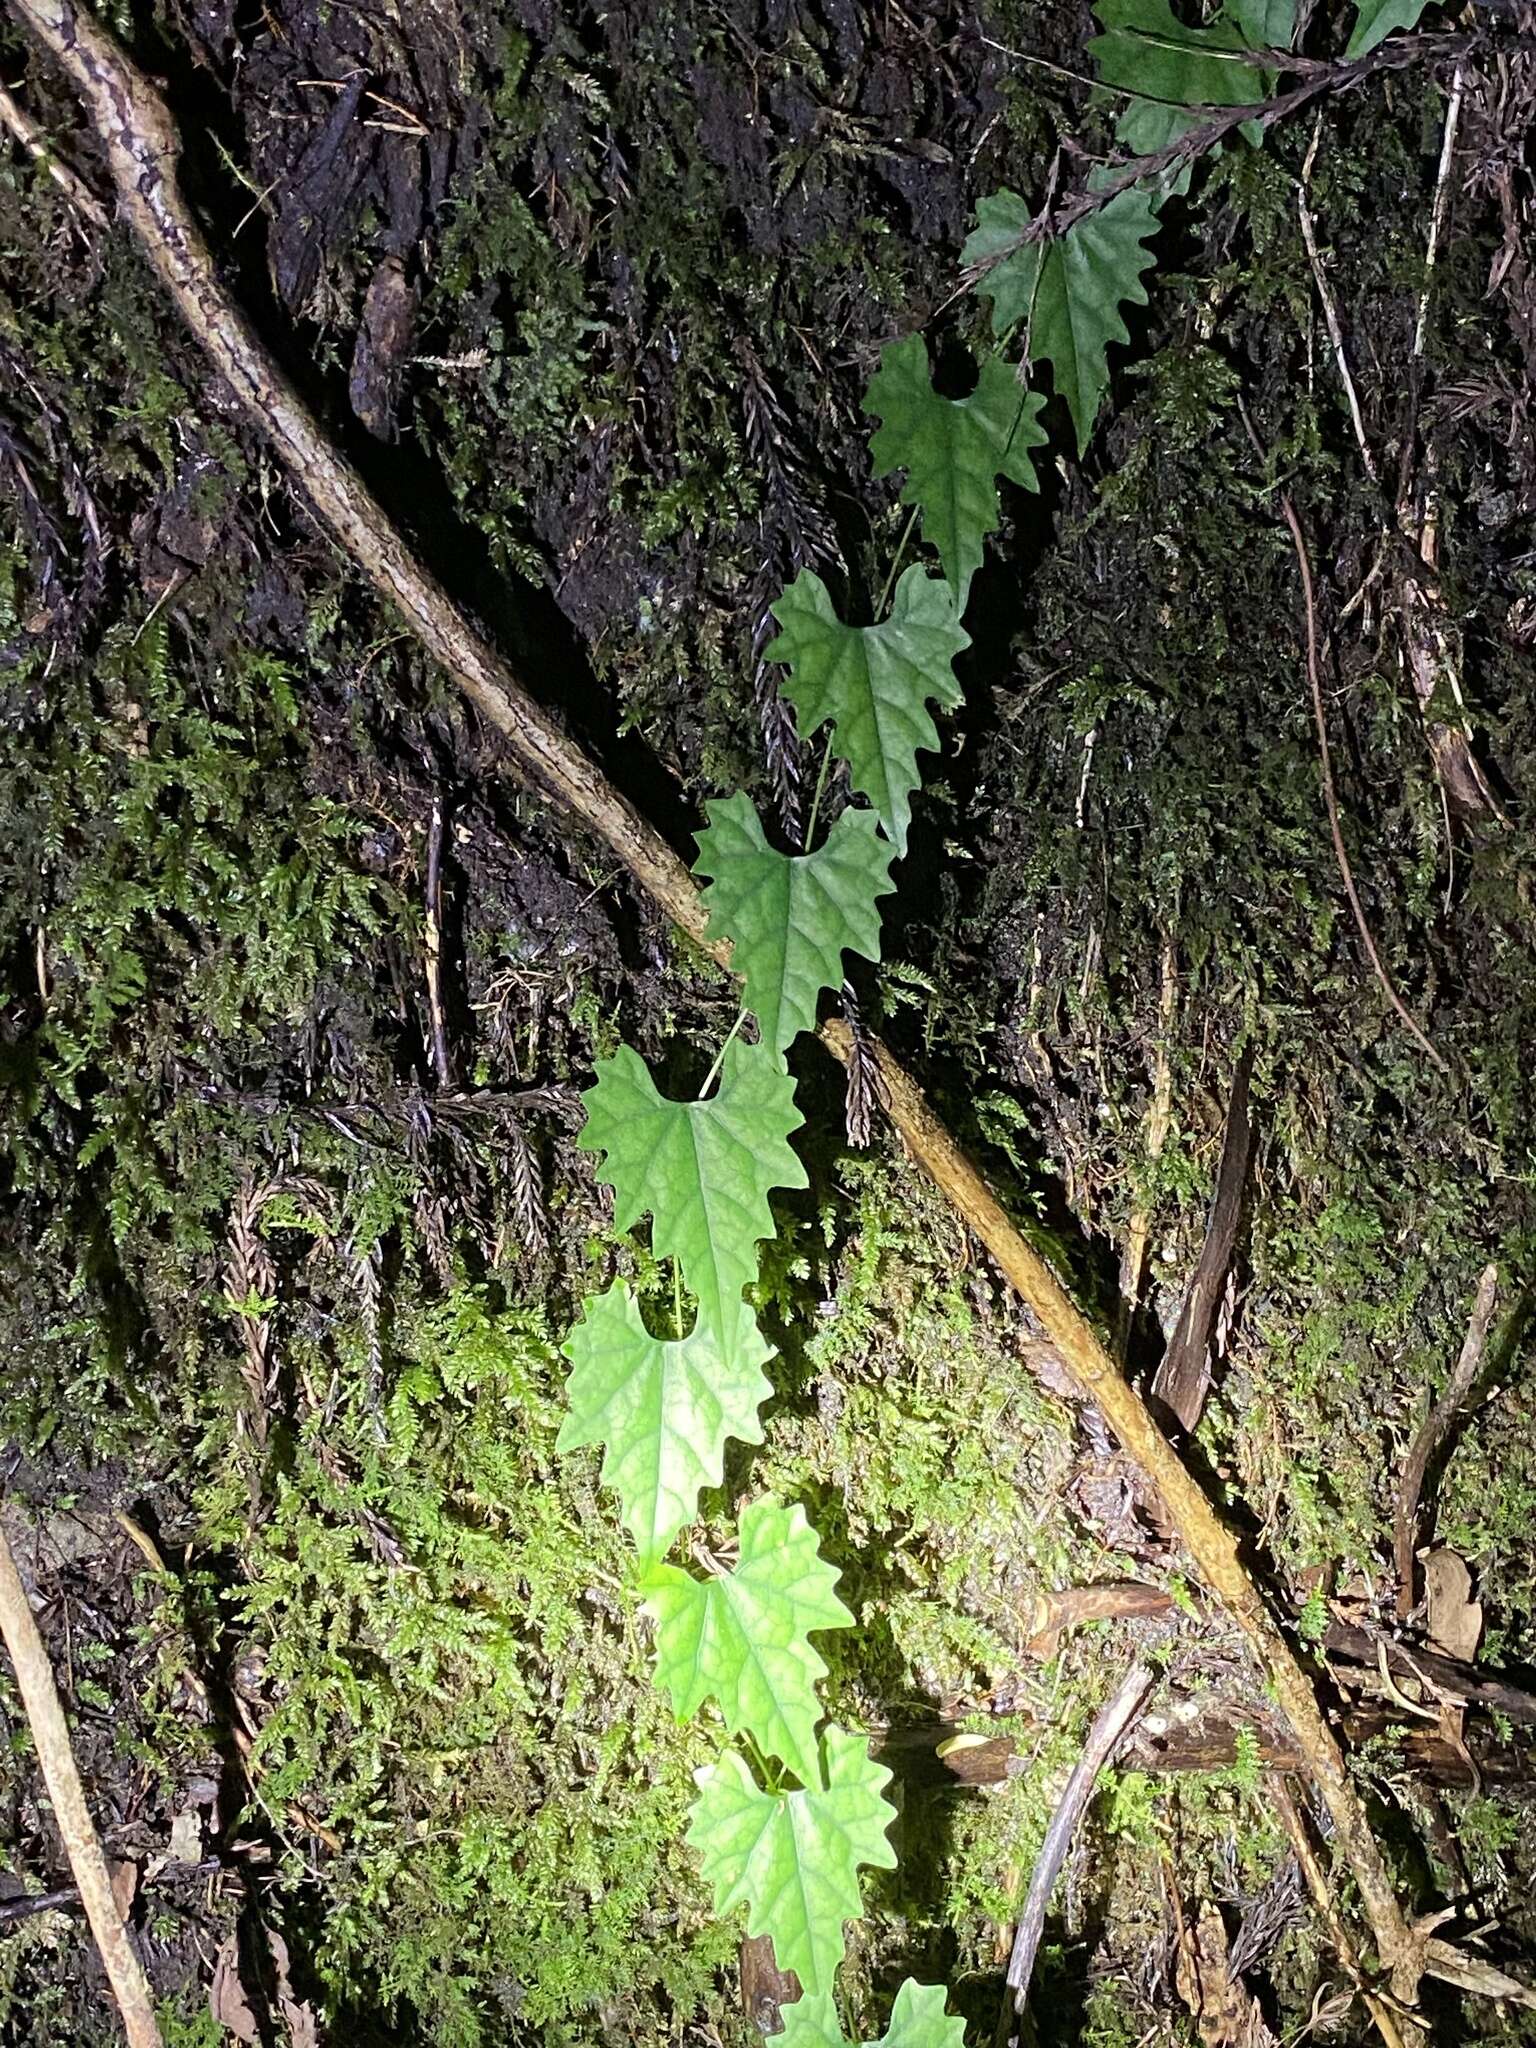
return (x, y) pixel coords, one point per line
(719, 1059)
(901, 549)
(821, 783)
(142, 147)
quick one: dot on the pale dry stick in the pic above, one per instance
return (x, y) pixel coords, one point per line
(56, 1760)
(1331, 310)
(1441, 203)
(1113, 1722)
(1431, 1434)
(433, 896)
(1138, 1235)
(80, 196)
(141, 146)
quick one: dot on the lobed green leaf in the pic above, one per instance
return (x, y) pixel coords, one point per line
(743, 1639)
(792, 1858)
(873, 682)
(790, 918)
(918, 2020)
(1375, 20)
(953, 449)
(661, 1410)
(702, 1169)
(1069, 290)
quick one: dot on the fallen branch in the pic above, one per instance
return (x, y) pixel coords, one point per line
(1347, 1645)
(56, 1760)
(1104, 1738)
(142, 147)
(1431, 1435)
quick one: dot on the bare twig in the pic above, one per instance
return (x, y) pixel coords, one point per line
(1331, 316)
(1441, 205)
(1114, 1721)
(80, 196)
(56, 1759)
(141, 146)
(433, 893)
(1432, 1432)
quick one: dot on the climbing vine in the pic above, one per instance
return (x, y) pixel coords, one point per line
(785, 1820)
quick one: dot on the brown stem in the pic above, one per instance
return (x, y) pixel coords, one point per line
(141, 145)
(56, 1759)
(1397, 53)
(1431, 1434)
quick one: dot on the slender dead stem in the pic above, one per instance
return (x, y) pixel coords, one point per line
(433, 893)
(142, 147)
(1432, 1433)
(1325, 758)
(36, 144)
(1331, 316)
(1114, 1721)
(1386, 2020)
(56, 1759)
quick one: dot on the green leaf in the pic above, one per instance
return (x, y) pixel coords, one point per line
(702, 1169)
(873, 682)
(662, 1410)
(743, 1638)
(918, 2020)
(790, 919)
(1265, 24)
(793, 1857)
(1375, 20)
(1069, 290)
(952, 449)
(1171, 68)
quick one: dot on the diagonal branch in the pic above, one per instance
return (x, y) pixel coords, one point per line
(141, 145)
(1318, 77)
(82, 1845)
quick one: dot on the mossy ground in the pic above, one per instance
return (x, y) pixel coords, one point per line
(648, 296)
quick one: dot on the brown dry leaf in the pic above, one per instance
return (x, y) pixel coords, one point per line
(297, 2014)
(125, 1886)
(1453, 1619)
(227, 1999)
(1115, 1601)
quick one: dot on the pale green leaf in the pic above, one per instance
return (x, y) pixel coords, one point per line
(791, 918)
(873, 682)
(702, 1169)
(792, 1858)
(742, 1639)
(1264, 24)
(1178, 72)
(918, 2020)
(1069, 290)
(661, 1410)
(1375, 20)
(953, 449)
